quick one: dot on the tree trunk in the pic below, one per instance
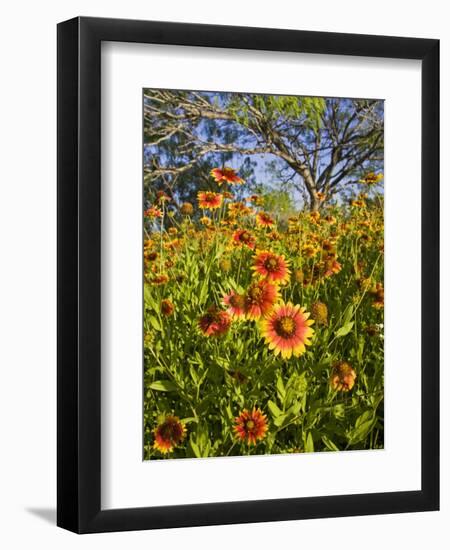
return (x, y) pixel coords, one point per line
(314, 203)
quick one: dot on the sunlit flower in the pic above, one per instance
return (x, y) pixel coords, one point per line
(314, 216)
(209, 200)
(309, 250)
(272, 266)
(273, 236)
(214, 322)
(187, 209)
(321, 196)
(299, 276)
(236, 209)
(167, 307)
(168, 434)
(150, 255)
(343, 376)
(264, 220)
(225, 265)
(251, 426)
(160, 279)
(378, 296)
(332, 267)
(259, 299)
(226, 175)
(287, 330)
(204, 220)
(330, 219)
(243, 237)
(162, 197)
(328, 246)
(358, 203)
(257, 200)
(319, 312)
(173, 244)
(235, 303)
(371, 178)
(153, 212)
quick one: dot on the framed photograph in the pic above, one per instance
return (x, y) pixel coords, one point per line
(248, 259)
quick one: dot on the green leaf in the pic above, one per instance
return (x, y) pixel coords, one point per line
(344, 330)
(188, 420)
(154, 322)
(195, 448)
(280, 388)
(309, 444)
(329, 444)
(163, 385)
(363, 426)
(274, 409)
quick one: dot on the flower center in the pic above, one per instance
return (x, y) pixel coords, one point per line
(250, 424)
(245, 237)
(237, 301)
(170, 431)
(255, 294)
(271, 264)
(286, 326)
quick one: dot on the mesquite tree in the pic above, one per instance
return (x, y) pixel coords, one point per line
(318, 145)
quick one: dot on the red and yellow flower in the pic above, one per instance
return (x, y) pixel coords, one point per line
(378, 296)
(168, 434)
(287, 330)
(236, 209)
(264, 220)
(167, 307)
(260, 299)
(371, 178)
(271, 266)
(251, 426)
(226, 175)
(243, 237)
(209, 200)
(332, 267)
(161, 279)
(153, 212)
(257, 200)
(343, 376)
(235, 303)
(214, 322)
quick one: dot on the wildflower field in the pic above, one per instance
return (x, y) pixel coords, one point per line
(263, 328)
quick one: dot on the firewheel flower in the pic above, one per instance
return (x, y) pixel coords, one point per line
(319, 312)
(242, 237)
(168, 434)
(235, 303)
(153, 212)
(264, 220)
(287, 330)
(371, 178)
(260, 299)
(167, 307)
(378, 296)
(214, 322)
(226, 175)
(209, 200)
(342, 377)
(251, 426)
(271, 266)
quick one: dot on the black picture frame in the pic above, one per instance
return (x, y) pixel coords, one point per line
(79, 277)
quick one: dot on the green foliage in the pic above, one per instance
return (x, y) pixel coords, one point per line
(207, 381)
